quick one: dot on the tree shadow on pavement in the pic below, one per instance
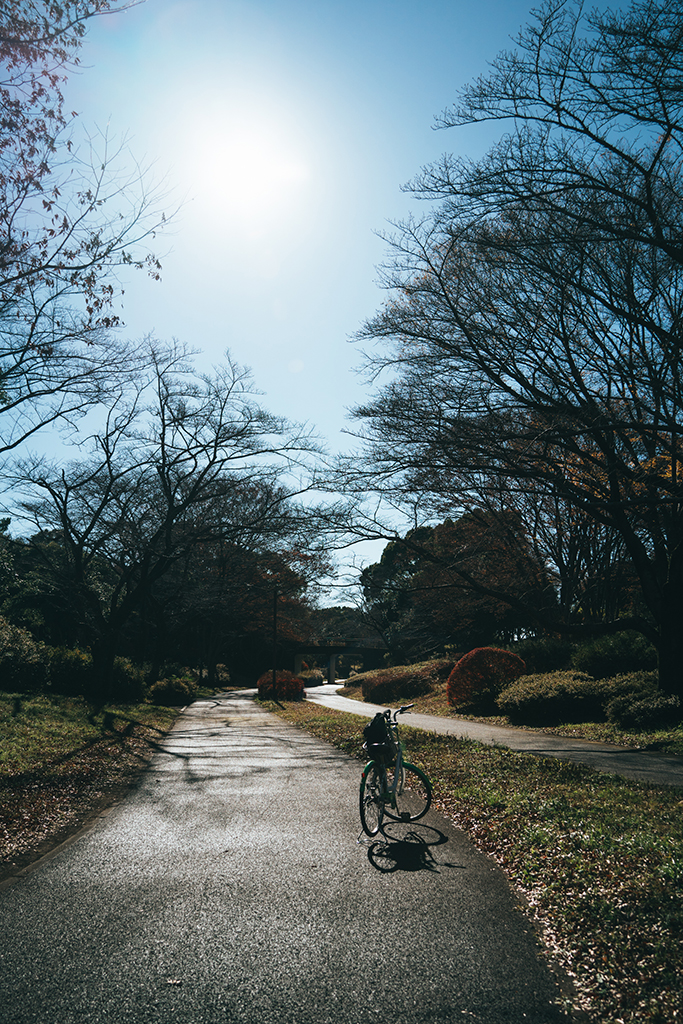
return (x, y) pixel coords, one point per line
(411, 851)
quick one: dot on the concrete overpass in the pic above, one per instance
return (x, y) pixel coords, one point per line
(329, 650)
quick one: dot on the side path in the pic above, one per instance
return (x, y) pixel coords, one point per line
(229, 887)
(633, 764)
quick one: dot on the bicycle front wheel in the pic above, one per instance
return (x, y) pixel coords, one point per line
(372, 790)
(413, 794)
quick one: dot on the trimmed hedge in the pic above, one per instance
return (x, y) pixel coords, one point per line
(555, 697)
(313, 677)
(287, 686)
(175, 691)
(642, 710)
(480, 676)
(560, 697)
(394, 685)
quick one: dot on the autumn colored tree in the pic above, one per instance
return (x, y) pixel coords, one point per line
(533, 335)
(458, 585)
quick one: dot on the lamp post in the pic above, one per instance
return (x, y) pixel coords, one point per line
(275, 595)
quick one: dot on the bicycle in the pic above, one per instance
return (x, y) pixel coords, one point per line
(390, 786)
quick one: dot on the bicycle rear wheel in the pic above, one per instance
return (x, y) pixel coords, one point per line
(372, 788)
(413, 794)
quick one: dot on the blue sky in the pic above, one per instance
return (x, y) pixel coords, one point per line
(288, 129)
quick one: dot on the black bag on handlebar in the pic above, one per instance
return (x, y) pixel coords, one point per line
(376, 731)
(377, 737)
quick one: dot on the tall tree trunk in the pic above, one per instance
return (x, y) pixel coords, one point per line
(103, 654)
(670, 646)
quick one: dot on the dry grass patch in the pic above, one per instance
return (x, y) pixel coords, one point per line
(60, 763)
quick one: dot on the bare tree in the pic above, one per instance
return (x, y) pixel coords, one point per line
(71, 214)
(534, 333)
(185, 460)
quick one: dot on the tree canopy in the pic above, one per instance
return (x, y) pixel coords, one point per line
(420, 595)
(183, 510)
(187, 474)
(534, 327)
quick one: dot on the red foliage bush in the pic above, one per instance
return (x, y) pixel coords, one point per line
(481, 675)
(287, 686)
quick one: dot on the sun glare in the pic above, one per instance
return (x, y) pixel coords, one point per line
(247, 172)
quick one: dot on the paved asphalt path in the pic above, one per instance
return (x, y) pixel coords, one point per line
(658, 769)
(229, 887)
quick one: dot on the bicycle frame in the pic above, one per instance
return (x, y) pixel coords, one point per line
(381, 796)
(397, 763)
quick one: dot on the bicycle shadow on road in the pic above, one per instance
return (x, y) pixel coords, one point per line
(407, 851)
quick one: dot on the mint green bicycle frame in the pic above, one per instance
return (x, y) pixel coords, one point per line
(390, 786)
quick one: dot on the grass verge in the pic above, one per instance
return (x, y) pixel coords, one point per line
(597, 859)
(663, 741)
(61, 763)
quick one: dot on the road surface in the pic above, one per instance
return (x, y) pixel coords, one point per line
(230, 887)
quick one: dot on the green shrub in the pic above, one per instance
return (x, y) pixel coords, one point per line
(608, 656)
(643, 710)
(127, 682)
(544, 653)
(640, 683)
(393, 685)
(479, 677)
(313, 677)
(630, 682)
(24, 661)
(287, 686)
(70, 671)
(173, 691)
(177, 670)
(222, 674)
(555, 697)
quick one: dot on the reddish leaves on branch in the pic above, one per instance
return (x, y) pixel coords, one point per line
(287, 686)
(62, 224)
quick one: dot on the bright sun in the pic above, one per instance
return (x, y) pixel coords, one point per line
(247, 171)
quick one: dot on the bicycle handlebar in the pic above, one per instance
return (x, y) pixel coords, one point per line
(400, 711)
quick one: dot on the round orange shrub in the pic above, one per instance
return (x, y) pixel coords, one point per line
(287, 686)
(481, 675)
